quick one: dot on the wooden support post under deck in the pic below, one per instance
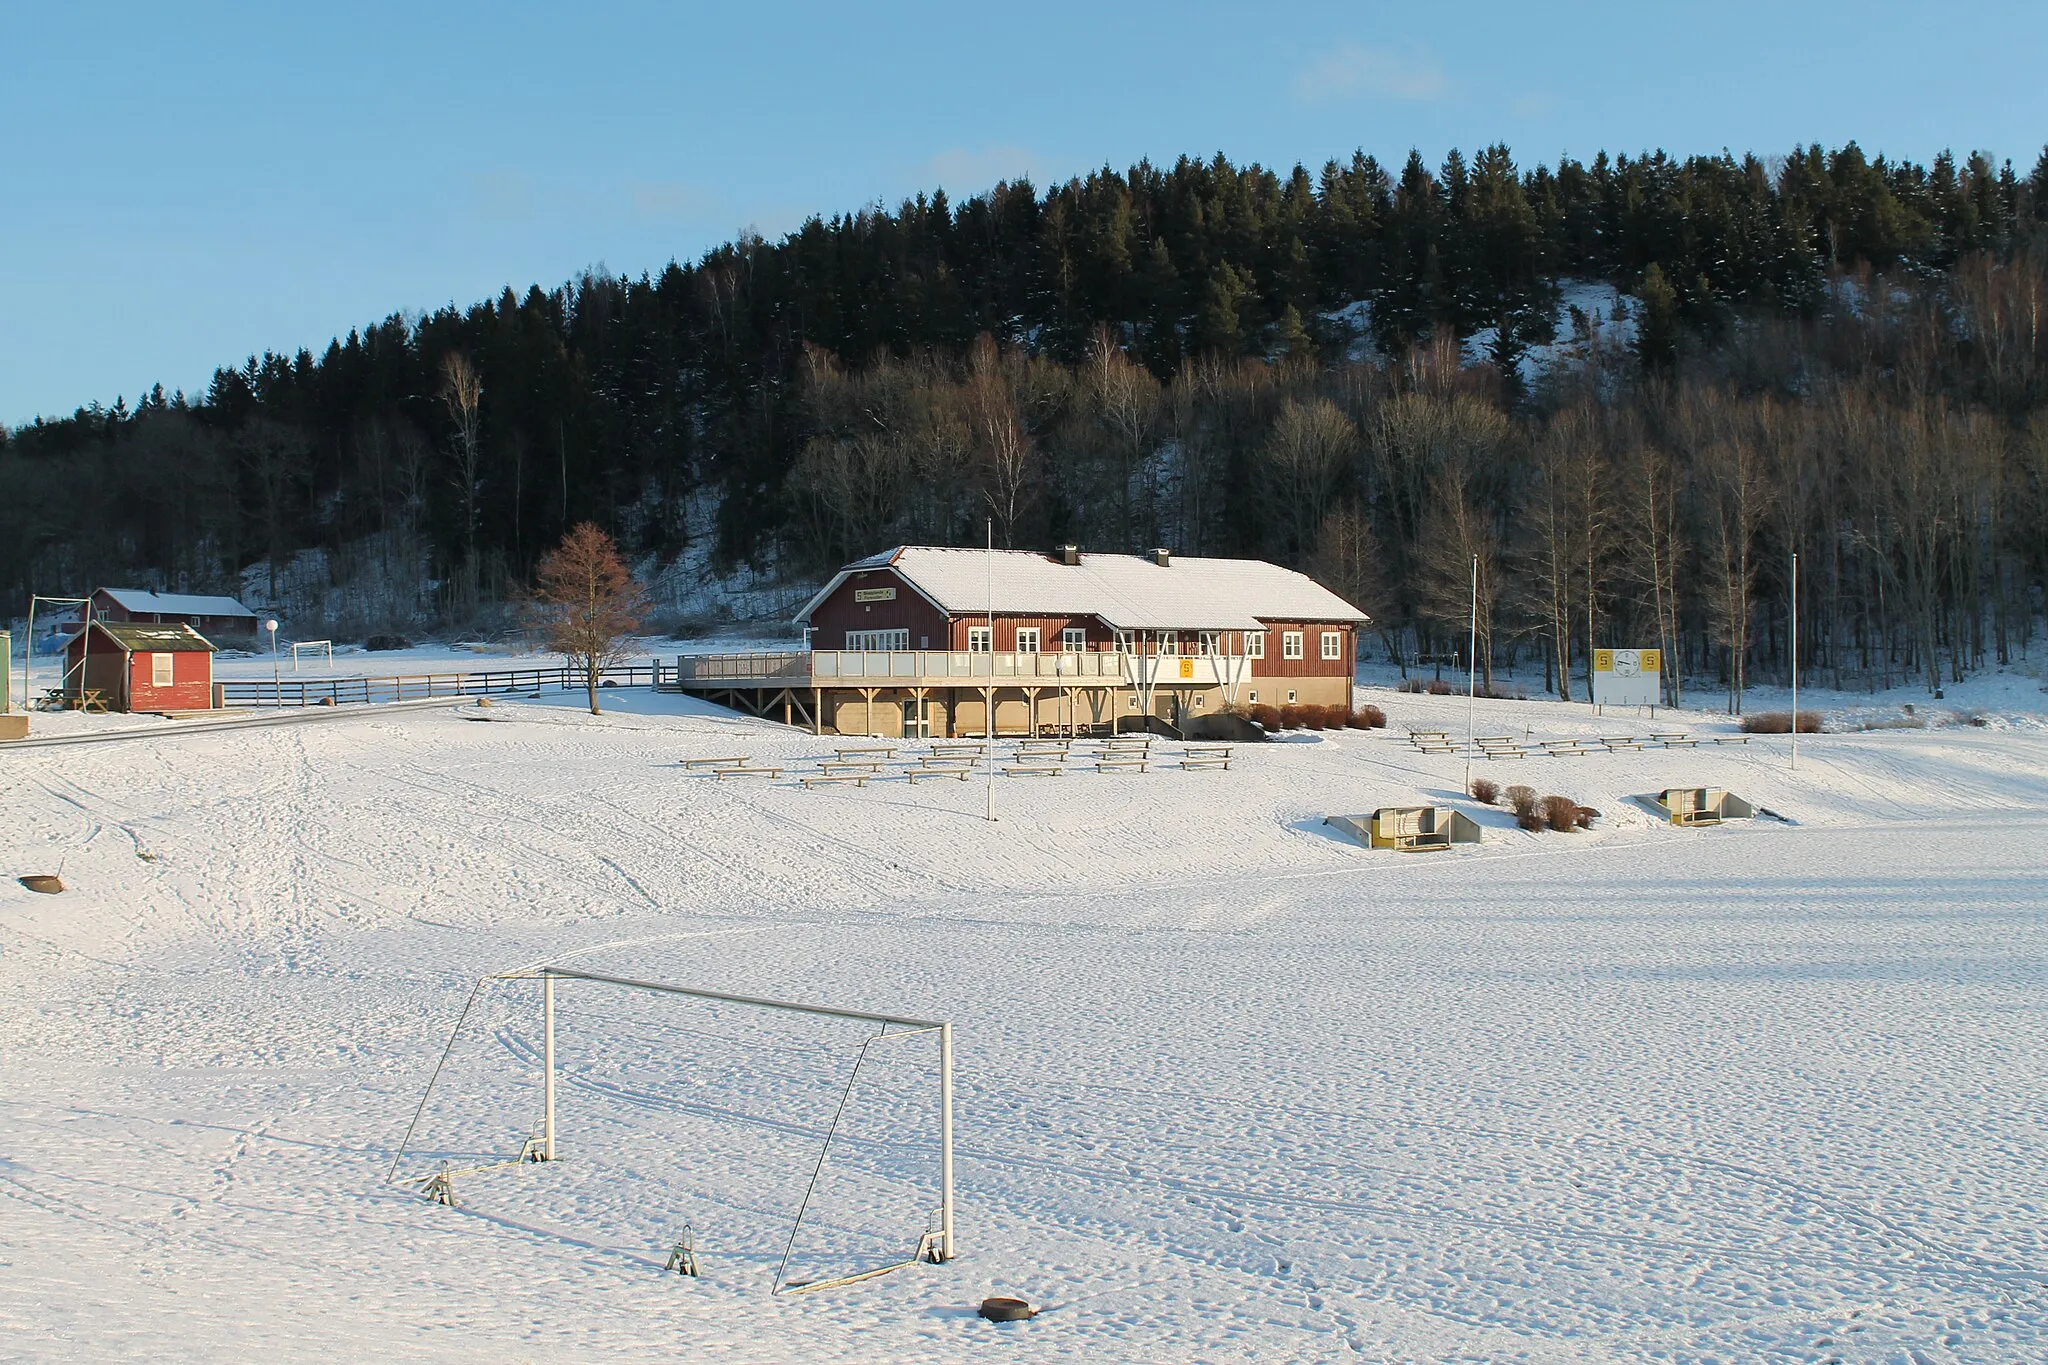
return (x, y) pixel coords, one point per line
(817, 710)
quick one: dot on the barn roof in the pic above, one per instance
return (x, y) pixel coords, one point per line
(1128, 592)
(175, 603)
(143, 637)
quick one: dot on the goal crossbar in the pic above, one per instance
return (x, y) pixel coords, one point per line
(759, 1001)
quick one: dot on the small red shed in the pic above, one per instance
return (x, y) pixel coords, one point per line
(136, 667)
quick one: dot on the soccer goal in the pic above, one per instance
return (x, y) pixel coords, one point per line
(659, 1099)
(317, 648)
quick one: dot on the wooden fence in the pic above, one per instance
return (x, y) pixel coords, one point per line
(416, 686)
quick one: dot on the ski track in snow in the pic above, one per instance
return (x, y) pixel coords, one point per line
(1229, 1087)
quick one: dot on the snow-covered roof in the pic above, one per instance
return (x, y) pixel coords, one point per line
(175, 603)
(1128, 592)
(146, 637)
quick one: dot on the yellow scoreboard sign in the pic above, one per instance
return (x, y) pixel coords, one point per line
(1628, 677)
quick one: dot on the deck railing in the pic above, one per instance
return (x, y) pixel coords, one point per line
(941, 668)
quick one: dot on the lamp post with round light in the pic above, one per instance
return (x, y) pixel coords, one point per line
(276, 682)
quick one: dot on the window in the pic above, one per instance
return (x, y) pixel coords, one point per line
(1123, 642)
(162, 670)
(1169, 642)
(1255, 644)
(1211, 647)
(1198, 701)
(1254, 694)
(1073, 640)
(1290, 645)
(1290, 694)
(1027, 639)
(1333, 645)
(877, 641)
(978, 640)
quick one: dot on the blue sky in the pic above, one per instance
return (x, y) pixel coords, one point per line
(181, 186)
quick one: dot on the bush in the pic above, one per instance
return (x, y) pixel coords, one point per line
(1414, 685)
(1367, 718)
(1290, 717)
(1561, 813)
(1531, 819)
(1522, 800)
(1266, 716)
(380, 643)
(1780, 723)
(1587, 815)
(1440, 688)
(1485, 790)
(1313, 717)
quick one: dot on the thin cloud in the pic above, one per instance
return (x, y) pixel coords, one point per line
(961, 171)
(1352, 71)
(671, 199)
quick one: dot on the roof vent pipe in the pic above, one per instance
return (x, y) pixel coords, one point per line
(1070, 555)
(1161, 556)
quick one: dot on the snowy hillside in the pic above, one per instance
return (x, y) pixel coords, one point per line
(1230, 1087)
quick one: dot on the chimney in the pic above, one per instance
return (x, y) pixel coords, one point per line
(1162, 556)
(1069, 555)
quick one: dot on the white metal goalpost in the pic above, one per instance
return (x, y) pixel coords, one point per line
(318, 646)
(936, 1245)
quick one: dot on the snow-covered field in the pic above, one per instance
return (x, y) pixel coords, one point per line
(1230, 1086)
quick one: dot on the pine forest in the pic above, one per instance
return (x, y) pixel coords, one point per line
(1630, 389)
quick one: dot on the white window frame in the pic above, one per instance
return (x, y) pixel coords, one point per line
(1290, 644)
(1255, 644)
(1169, 644)
(1074, 640)
(1333, 645)
(1027, 639)
(877, 641)
(163, 670)
(1123, 642)
(981, 640)
(1211, 643)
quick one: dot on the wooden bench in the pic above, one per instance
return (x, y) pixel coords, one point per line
(1429, 734)
(722, 773)
(1675, 741)
(737, 761)
(1200, 762)
(1208, 750)
(849, 766)
(1618, 743)
(959, 750)
(1727, 739)
(865, 753)
(1116, 765)
(1494, 739)
(1033, 770)
(916, 773)
(857, 779)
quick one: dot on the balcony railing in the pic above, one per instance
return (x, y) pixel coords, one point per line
(942, 668)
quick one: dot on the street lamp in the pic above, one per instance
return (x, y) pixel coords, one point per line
(276, 685)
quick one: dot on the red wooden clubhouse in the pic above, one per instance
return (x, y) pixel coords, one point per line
(926, 641)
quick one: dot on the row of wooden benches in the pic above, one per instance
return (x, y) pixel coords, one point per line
(851, 766)
(1507, 746)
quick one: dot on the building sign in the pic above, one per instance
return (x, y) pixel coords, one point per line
(874, 594)
(1628, 677)
(1187, 668)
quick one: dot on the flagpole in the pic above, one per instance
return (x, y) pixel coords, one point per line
(989, 754)
(1795, 659)
(1471, 677)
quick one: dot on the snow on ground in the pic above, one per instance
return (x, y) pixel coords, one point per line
(1230, 1086)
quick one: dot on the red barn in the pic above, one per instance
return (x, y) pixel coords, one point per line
(135, 667)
